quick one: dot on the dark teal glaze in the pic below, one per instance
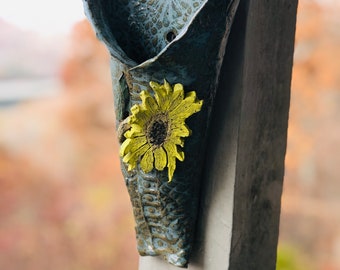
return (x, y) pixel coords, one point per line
(182, 41)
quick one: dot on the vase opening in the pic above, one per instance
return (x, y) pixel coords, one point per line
(143, 28)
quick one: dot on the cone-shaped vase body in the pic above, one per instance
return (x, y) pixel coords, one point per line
(182, 42)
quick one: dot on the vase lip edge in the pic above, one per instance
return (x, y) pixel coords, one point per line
(116, 50)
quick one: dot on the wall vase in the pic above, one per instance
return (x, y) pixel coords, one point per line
(166, 57)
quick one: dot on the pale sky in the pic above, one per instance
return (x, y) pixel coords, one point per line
(48, 17)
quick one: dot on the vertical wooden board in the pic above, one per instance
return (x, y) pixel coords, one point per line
(263, 133)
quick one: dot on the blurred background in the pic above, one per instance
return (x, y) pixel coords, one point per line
(63, 202)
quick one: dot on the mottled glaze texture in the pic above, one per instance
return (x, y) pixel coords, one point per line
(182, 41)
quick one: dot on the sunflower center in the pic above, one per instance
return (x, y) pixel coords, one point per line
(157, 132)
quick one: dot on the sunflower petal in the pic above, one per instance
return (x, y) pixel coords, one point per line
(147, 161)
(173, 151)
(132, 157)
(175, 140)
(159, 90)
(123, 147)
(187, 107)
(179, 154)
(167, 87)
(161, 95)
(160, 158)
(133, 145)
(191, 96)
(134, 109)
(148, 102)
(178, 87)
(131, 160)
(139, 116)
(171, 168)
(177, 96)
(136, 127)
(134, 131)
(154, 85)
(181, 130)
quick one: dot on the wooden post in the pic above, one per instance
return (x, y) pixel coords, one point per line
(241, 193)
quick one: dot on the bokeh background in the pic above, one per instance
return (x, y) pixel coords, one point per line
(63, 203)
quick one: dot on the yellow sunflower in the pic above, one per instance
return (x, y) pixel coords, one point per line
(157, 128)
